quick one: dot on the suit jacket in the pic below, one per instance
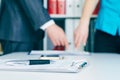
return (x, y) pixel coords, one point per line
(20, 20)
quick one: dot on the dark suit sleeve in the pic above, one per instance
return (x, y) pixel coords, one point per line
(35, 12)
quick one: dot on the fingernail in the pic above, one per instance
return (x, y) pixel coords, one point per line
(84, 44)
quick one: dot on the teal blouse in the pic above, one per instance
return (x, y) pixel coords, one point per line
(109, 16)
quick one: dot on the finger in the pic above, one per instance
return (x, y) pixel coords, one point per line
(76, 36)
(79, 41)
(85, 40)
(54, 41)
(62, 43)
(58, 42)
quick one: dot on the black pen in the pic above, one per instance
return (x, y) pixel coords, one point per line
(28, 62)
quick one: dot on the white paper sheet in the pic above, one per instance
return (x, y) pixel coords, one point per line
(57, 66)
(51, 52)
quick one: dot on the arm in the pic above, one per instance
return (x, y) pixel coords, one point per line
(35, 12)
(81, 32)
(88, 9)
(39, 16)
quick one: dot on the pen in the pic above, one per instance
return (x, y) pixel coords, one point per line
(83, 65)
(29, 62)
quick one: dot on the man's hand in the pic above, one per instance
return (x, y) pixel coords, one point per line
(57, 36)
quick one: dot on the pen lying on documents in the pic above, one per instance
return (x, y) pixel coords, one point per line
(80, 64)
(83, 65)
(28, 62)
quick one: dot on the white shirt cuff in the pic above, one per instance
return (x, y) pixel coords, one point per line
(47, 24)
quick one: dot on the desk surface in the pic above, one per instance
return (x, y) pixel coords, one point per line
(101, 67)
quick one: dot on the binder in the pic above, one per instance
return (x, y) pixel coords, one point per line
(61, 7)
(95, 12)
(77, 8)
(59, 66)
(69, 28)
(52, 6)
(69, 8)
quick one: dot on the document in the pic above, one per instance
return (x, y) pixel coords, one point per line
(61, 66)
(55, 52)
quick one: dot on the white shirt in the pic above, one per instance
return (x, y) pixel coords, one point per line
(46, 25)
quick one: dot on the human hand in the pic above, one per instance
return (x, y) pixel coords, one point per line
(81, 34)
(57, 36)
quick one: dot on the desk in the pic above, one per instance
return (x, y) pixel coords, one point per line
(101, 67)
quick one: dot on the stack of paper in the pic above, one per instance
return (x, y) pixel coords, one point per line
(51, 52)
(58, 66)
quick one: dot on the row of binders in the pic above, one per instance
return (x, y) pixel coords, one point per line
(66, 7)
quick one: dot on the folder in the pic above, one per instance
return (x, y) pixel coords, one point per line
(61, 53)
(77, 8)
(69, 29)
(59, 66)
(52, 6)
(69, 8)
(61, 7)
